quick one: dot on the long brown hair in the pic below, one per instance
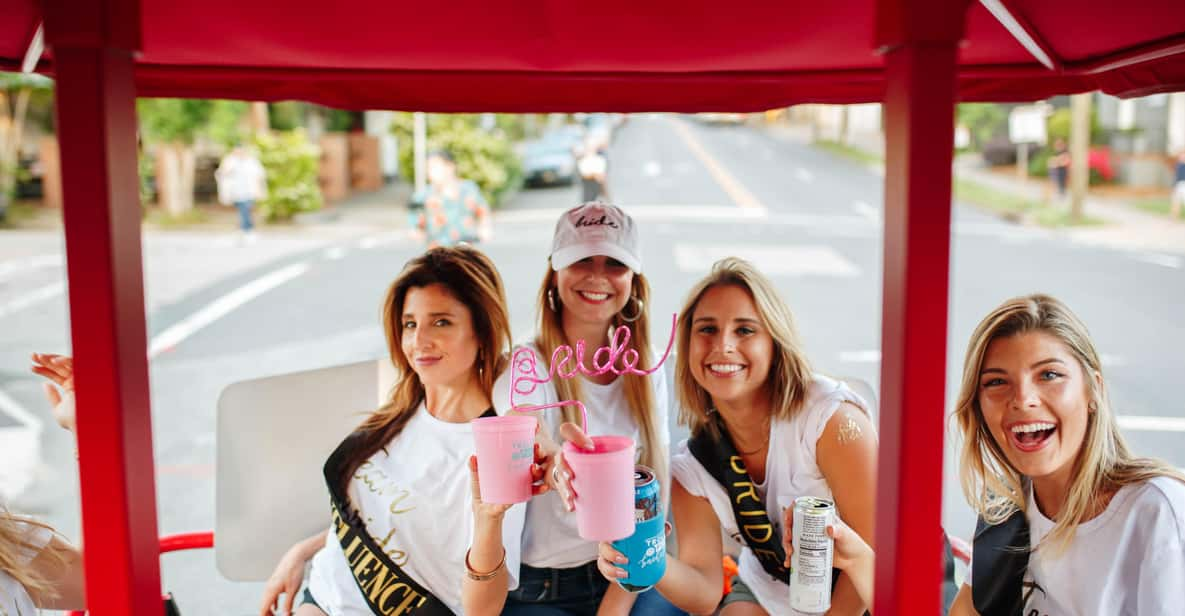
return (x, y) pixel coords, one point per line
(639, 393)
(789, 372)
(14, 534)
(472, 279)
(995, 488)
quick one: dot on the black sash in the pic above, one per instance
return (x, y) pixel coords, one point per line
(720, 458)
(1000, 556)
(387, 589)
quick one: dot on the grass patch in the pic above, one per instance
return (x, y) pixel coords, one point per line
(1159, 205)
(849, 152)
(1017, 208)
(16, 214)
(988, 198)
(161, 218)
(1060, 217)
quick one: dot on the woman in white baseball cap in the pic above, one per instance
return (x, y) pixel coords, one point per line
(593, 285)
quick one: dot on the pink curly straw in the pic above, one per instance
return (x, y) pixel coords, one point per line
(524, 362)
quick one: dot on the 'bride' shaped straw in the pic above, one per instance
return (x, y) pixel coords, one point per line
(604, 359)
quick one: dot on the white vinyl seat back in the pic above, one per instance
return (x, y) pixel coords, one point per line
(274, 435)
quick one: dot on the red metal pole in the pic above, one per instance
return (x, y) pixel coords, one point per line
(920, 41)
(92, 46)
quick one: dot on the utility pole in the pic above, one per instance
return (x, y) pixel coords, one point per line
(259, 119)
(1079, 153)
(420, 139)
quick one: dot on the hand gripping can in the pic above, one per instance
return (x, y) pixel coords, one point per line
(810, 566)
(646, 549)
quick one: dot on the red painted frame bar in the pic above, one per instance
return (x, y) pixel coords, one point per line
(95, 100)
(920, 41)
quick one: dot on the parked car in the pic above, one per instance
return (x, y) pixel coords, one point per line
(721, 118)
(551, 159)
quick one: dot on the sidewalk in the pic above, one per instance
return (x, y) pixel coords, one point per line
(1125, 226)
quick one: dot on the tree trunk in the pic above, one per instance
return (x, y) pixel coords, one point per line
(11, 131)
(1079, 154)
(174, 177)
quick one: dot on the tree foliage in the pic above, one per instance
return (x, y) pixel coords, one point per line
(486, 157)
(291, 163)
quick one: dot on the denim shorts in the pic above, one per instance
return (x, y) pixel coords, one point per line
(740, 593)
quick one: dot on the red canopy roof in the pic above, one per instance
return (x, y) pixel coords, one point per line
(477, 55)
(615, 55)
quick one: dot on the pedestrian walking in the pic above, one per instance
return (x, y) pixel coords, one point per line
(242, 181)
(450, 209)
(593, 165)
(1059, 167)
(1178, 197)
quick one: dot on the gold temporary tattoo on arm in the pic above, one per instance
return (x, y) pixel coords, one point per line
(849, 430)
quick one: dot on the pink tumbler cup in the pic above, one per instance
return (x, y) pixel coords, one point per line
(505, 451)
(604, 484)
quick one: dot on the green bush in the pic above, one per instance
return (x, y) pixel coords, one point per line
(1058, 126)
(487, 158)
(983, 120)
(291, 163)
(1039, 166)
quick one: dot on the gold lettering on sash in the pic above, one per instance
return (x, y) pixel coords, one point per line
(750, 491)
(377, 583)
(764, 555)
(362, 567)
(752, 513)
(749, 528)
(405, 606)
(355, 543)
(738, 465)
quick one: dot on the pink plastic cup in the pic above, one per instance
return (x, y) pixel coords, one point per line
(604, 484)
(505, 451)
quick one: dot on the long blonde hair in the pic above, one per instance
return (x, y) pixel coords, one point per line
(472, 279)
(639, 394)
(789, 373)
(14, 535)
(995, 488)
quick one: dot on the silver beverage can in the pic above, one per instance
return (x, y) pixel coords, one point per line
(814, 550)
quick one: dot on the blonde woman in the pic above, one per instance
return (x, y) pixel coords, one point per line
(409, 533)
(765, 430)
(1071, 522)
(593, 285)
(38, 568)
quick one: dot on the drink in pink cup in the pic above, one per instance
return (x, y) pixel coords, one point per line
(505, 451)
(603, 479)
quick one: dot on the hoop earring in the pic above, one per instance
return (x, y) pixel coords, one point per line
(551, 300)
(637, 314)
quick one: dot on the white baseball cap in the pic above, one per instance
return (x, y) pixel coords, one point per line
(592, 229)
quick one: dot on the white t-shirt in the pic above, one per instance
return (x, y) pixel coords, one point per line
(240, 178)
(14, 599)
(790, 472)
(415, 498)
(550, 538)
(1130, 560)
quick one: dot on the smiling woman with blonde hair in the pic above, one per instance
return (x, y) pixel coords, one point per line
(1047, 469)
(765, 430)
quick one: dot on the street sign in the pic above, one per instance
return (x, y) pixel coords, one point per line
(1026, 124)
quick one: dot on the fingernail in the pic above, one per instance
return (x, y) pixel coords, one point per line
(621, 560)
(621, 573)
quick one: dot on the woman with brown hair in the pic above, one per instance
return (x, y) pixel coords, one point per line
(593, 287)
(765, 430)
(409, 530)
(38, 568)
